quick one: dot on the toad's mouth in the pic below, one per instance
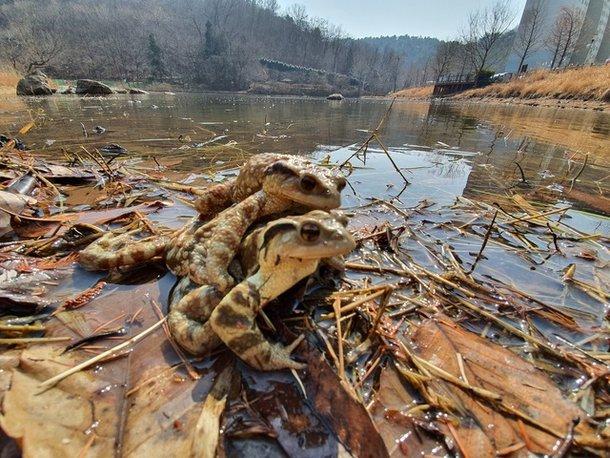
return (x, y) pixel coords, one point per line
(326, 202)
(318, 252)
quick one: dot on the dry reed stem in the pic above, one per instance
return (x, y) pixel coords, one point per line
(113, 351)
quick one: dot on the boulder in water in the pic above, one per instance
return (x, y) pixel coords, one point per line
(92, 87)
(335, 96)
(36, 83)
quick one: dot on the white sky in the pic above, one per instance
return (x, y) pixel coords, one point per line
(360, 18)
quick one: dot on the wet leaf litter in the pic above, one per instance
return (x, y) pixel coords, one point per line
(474, 328)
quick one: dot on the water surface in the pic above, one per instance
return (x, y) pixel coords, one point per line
(444, 149)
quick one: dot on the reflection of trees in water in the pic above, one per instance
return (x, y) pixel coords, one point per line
(452, 168)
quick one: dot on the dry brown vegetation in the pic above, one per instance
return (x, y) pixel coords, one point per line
(8, 81)
(415, 92)
(590, 83)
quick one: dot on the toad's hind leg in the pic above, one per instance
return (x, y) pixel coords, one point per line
(111, 251)
(214, 199)
(234, 322)
(188, 318)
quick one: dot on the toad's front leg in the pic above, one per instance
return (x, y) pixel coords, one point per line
(188, 317)
(234, 322)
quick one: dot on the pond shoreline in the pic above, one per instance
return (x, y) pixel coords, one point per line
(570, 104)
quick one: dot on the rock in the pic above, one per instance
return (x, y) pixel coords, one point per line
(120, 91)
(335, 96)
(36, 83)
(68, 90)
(134, 90)
(91, 87)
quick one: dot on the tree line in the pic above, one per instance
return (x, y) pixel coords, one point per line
(487, 39)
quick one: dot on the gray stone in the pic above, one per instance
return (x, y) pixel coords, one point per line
(91, 87)
(135, 90)
(36, 83)
(335, 96)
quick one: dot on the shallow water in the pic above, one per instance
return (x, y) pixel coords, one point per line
(445, 149)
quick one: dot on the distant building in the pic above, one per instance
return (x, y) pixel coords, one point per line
(592, 45)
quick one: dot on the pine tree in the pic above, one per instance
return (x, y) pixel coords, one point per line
(155, 58)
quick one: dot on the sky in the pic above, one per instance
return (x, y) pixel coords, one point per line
(361, 18)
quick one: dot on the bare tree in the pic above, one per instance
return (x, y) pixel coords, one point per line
(530, 33)
(484, 30)
(563, 36)
(445, 57)
(36, 42)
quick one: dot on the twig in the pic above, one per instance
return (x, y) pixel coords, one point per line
(480, 253)
(85, 364)
(523, 180)
(85, 134)
(579, 172)
(365, 145)
(337, 309)
(189, 367)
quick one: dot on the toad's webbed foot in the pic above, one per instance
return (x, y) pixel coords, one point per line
(234, 321)
(188, 317)
(111, 251)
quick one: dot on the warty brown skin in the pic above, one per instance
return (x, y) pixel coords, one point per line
(274, 258)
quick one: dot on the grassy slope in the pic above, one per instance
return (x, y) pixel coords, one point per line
(8, 81)
(590, 83)
(415, 92)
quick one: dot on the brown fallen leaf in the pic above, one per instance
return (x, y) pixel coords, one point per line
(206, 434)
(348, 417)
(14, 203)
(486, 424)
(395, 414)
(38, 227)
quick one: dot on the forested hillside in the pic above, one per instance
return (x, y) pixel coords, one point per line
(215, 43)
(416, 50)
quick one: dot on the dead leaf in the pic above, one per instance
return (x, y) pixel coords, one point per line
(29, 227)
(397, 425)
(61, 172)
(484, 426)
(14, 203)
(348, 417)
(207, 431)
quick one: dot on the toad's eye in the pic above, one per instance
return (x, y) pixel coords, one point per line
(341, 184)
(308, 184)
(310, 232)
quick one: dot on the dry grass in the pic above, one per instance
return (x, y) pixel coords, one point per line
(590, 83)
(8, 80)
(415, 92)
